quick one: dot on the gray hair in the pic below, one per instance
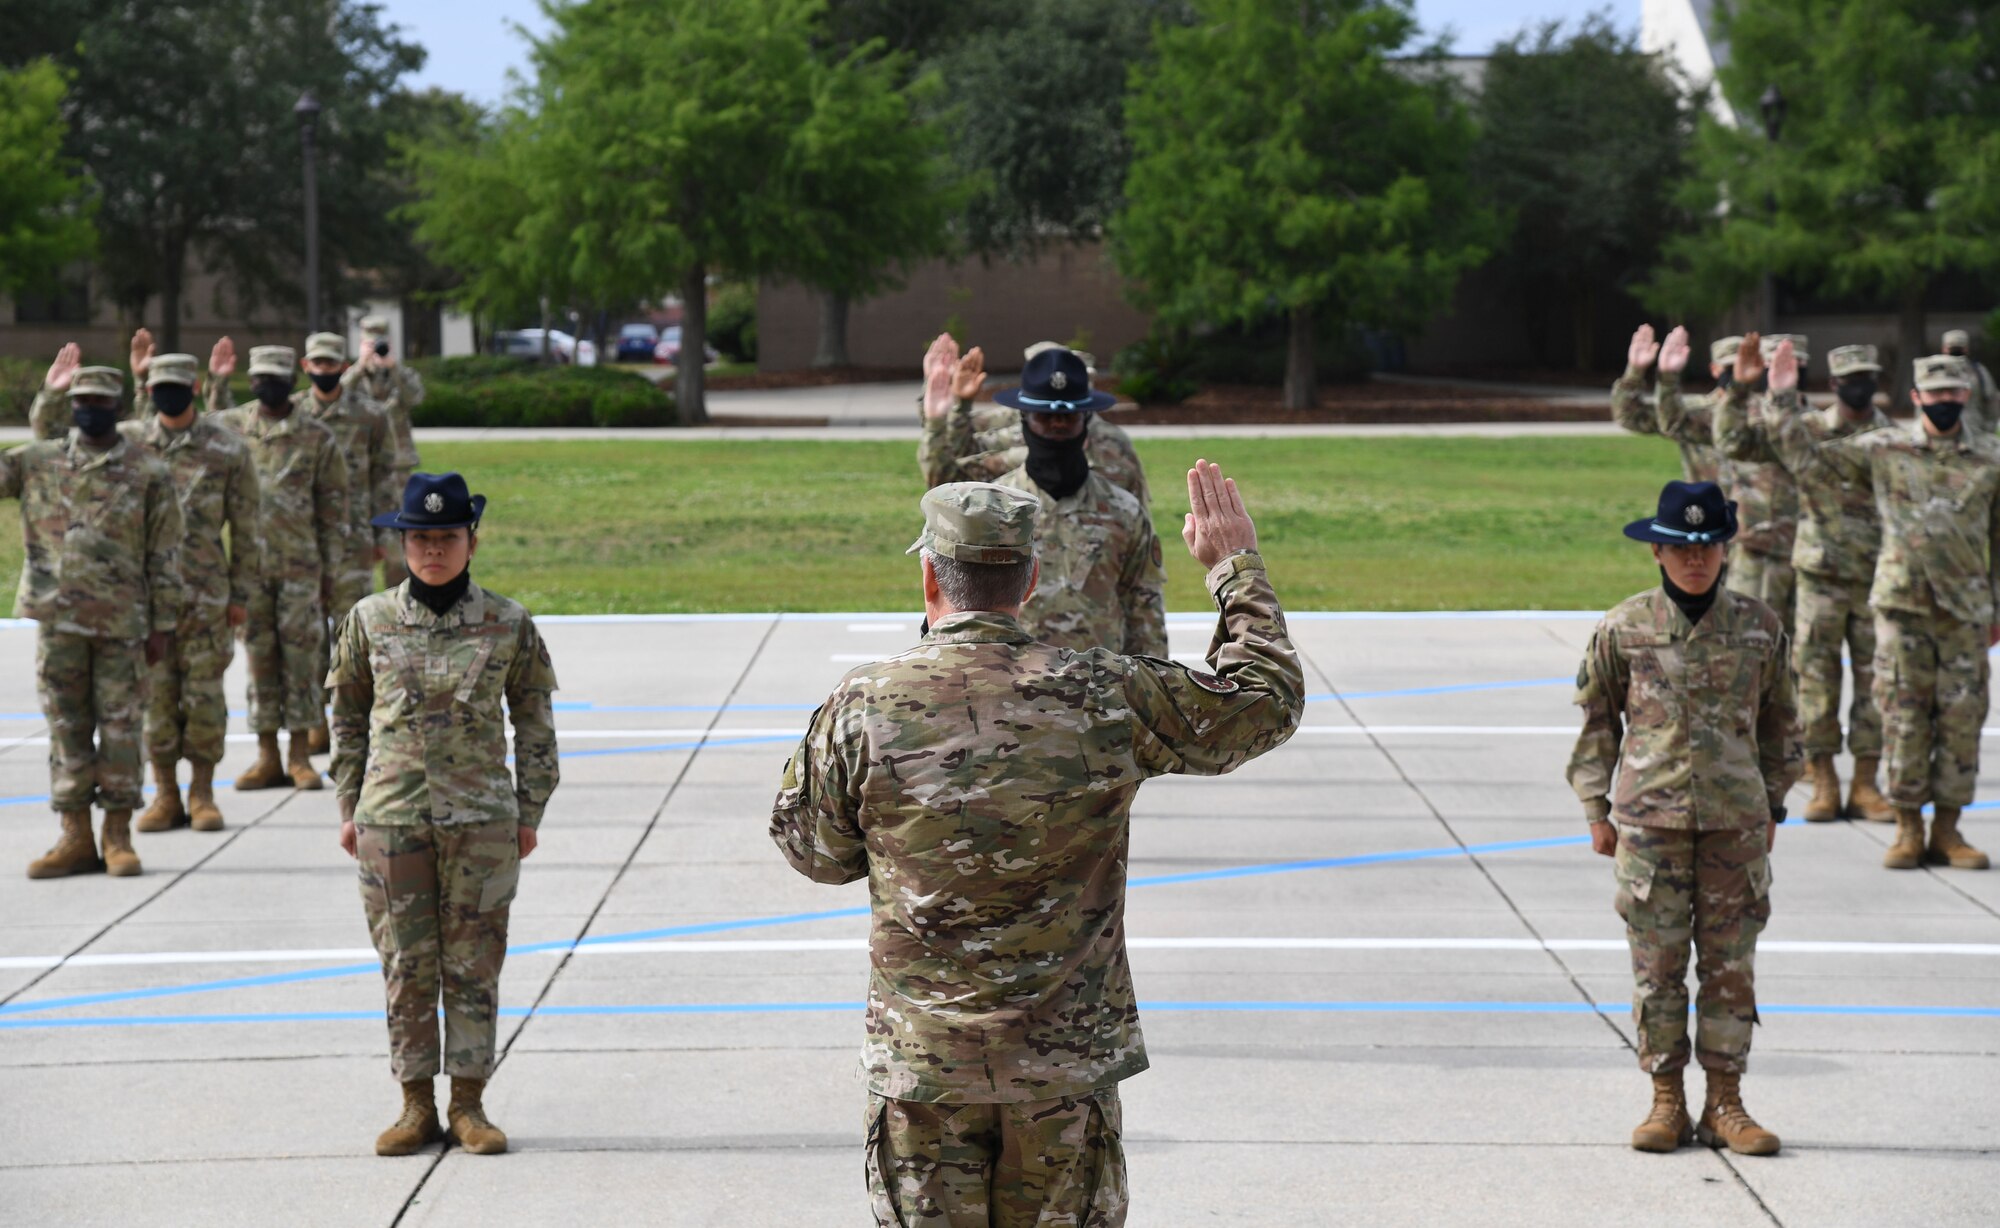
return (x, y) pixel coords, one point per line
(981, 586)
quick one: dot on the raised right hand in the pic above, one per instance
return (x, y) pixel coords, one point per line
(1749, 359)
(142, 352)
(68, 360)
(940, 365)
(1784, 368)
(1217, 525)
(1643, 350)
(1674, 354)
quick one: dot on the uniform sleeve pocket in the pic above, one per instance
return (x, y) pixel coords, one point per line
(500, 886)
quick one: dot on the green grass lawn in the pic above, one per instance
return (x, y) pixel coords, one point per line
(1352, 524)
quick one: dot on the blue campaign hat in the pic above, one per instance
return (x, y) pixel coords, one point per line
(434, 501)
(1691, 514)
(1055, 381)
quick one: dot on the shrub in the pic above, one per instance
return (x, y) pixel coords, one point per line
(498, 391)
(732, 322)
(1159, 370)
(20, 380)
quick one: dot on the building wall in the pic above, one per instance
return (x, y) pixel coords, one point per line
(1066, 293)
(206, 317)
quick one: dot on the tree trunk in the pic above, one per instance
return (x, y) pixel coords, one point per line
(173, 276)
(832, 351)
(1910, 342)
(1301, 372)
(1583, 325)
(690, 377)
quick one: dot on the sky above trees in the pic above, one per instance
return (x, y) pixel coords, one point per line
(472, 43)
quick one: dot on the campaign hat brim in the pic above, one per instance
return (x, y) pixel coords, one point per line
(1649, 530)
(1013, 398)
(397, 520)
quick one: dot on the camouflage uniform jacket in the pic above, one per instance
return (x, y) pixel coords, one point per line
(1103, 580)
(1700, 721)
(1767, 500)
(979, 443)
(1982, 402)
(1636, 412)
(366, 445)
(1939, 504)
(396, 390)
(102, 532)
(216, 483)
(303, 481)
(419, 735)
(983, 784)
(1839, 532)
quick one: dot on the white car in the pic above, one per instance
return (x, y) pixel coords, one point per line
(527, 343)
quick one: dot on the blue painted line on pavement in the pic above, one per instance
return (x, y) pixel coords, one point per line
(1278, 1006)
(1454, 689)
(1359, 859)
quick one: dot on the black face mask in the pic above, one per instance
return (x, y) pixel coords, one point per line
(1856, 394)
(325, 381)
(173, 400)
(1956, 352)
(271, 391)
(440, 597)
(1694, 605)
(1058, 466)
(96, 421)
(1944, 414)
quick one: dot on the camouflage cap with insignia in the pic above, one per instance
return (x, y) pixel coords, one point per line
(1852, 360)
(326, 345)
(97, 382)
(1956, 338)
(979, 522)
(1941, 371)
(1768, 346)
(173, 369)
(273, 360)
(374, 325)
(1723, 351)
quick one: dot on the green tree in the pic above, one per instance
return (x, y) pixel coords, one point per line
(1282, 165)
(1586, 140)
(1886, 173)
(44, 223)
(182, 115)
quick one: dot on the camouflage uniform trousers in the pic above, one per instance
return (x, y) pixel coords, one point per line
(1833, 618)
(285, 640)
(1711, 888)
(437, 898)
(188, 715)
(1766, 577)
(1931, 675)
(93, 692)
(1016, 1165)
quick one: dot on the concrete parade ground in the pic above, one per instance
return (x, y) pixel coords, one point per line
(1381, 979)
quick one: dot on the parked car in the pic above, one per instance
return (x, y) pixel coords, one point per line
(669, 348)
(527, 343)
(636, 343)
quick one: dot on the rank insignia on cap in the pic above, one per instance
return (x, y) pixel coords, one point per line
(1694, 514)
(1209, 682)
(434, 502)
(1058, 381)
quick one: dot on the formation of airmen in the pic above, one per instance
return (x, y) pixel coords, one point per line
(982, 781)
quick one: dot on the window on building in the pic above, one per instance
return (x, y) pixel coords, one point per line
(66, 301)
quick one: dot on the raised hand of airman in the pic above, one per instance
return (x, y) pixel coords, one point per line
(222, 359)
(1643, 349)
(68, 360)
(142, 353)
(1674, 352)
(1784, 368)
(970, 375)
(1750, 359)
(1217, 525)
(940, 372)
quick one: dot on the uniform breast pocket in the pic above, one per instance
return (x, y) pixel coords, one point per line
(480, 667)
(1738, 671)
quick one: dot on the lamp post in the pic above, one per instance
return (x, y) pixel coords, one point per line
(1772, 104)
(307, 113)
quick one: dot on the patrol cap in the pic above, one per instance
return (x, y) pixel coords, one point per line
(326, 345)
(1769, 345)
(1723, 352)
(1852, 360)
(172, 369)
(1957, 337)
(1941, 371)
(97, 382)
(978, 522)
(374, 325)
(273, 360)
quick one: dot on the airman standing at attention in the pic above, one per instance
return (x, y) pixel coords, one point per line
(1982, 398)
(396, 388)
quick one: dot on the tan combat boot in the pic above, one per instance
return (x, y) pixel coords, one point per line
(417, 1127)
(119, 859)
(166, 812)
(319, 739)
(1864, 800)
(299, 764)
(267, 772)
(1947, 847)
(1668, 1125)
(75, 851)
(1907, 853)
(1726, 1123)
(206, 815)
(468, 1119)
(1825, 803)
